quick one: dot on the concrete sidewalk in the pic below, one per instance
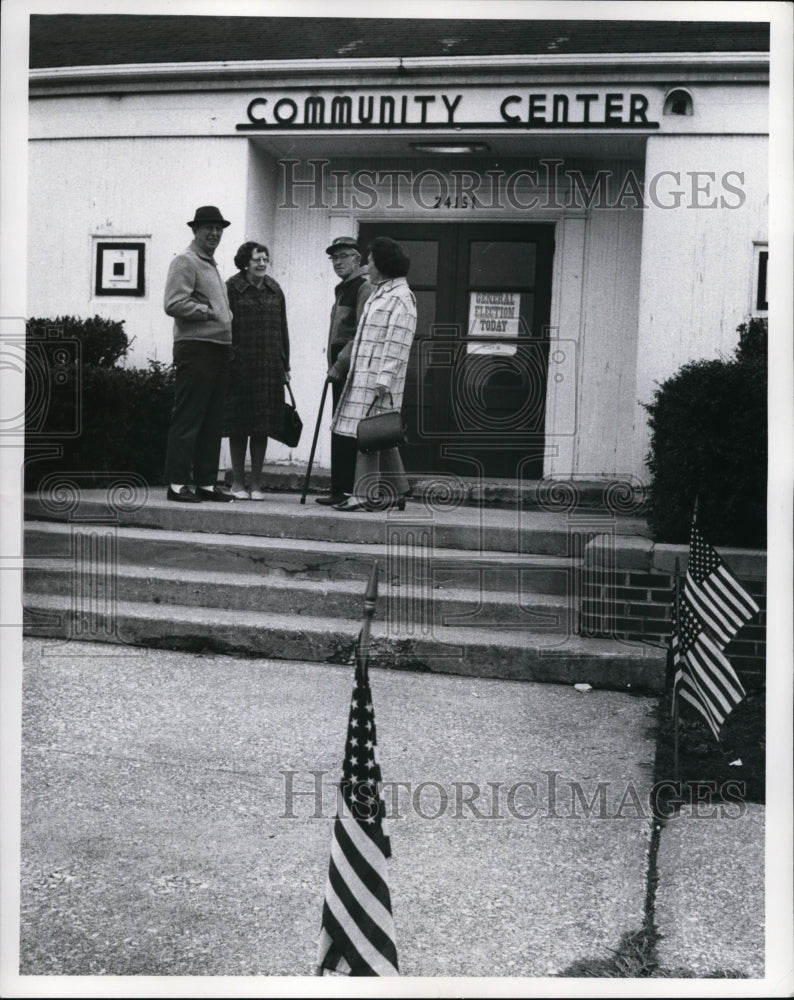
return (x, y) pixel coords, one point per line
(177, 812)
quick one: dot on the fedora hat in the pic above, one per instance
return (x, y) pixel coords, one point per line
(208, 215)
(340, 242)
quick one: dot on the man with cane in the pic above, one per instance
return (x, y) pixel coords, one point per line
(350, 295)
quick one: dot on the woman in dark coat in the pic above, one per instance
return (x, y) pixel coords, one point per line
(259, 368)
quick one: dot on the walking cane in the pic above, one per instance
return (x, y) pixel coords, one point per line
(314, 441)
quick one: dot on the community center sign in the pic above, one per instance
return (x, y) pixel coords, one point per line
(481, 108)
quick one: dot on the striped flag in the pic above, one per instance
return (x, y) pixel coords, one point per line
(711, 610)
(357, 932)
(703, 675)
(715, 594)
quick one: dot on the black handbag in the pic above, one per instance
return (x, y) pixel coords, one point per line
(292, 425)
(381, 430)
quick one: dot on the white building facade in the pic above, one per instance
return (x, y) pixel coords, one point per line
(580, 225)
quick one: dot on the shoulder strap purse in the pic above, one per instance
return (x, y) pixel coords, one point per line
(380, 430)
(292, 425)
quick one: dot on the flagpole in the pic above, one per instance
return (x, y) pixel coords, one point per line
(676, 599)
(357, 930)
(370, 599)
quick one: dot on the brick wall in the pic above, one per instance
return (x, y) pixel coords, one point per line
(625, 595)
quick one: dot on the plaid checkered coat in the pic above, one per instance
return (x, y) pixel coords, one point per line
(380, 353)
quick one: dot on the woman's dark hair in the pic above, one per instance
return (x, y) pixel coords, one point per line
(389, 257)
(243, 256)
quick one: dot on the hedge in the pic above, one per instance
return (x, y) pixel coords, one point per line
(102, 342)
(103, 417)
(709, 439)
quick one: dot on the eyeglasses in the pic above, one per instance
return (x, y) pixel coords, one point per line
(342, 256)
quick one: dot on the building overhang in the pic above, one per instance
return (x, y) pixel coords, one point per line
(659, 67)
(506, 145)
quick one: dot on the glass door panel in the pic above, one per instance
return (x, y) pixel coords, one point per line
(476, 383)
(501, 265)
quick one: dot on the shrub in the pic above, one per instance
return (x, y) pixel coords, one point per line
(709, 439)
(753, 340)
(124, 424)
(103, 342)
(104, 418)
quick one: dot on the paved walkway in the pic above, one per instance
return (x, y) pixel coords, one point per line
(177, 813)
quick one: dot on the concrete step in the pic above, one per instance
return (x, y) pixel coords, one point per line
(446, 525)
(468, 590)
(280, 595)
(497, 652)
(621, 494)
(404, 558)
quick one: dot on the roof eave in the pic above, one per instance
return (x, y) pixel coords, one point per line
(724, 62)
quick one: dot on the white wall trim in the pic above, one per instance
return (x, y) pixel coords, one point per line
(562, 397)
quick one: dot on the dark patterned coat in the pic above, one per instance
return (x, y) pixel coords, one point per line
(260, 339)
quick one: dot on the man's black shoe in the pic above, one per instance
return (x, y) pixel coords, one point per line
(330, 499)
(182, 495)
(215, 494)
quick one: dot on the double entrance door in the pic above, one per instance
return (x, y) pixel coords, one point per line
(475, 393)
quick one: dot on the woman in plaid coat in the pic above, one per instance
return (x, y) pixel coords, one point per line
(259, 368)
(378, 366)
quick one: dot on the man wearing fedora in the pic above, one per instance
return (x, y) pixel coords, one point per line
(350, 295)
(195, 295)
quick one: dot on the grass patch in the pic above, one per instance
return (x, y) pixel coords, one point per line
(635, 958)
(704, 762)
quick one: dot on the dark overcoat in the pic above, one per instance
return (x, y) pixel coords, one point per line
(260, 340)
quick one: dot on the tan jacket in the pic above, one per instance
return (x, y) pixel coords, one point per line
(195, 295)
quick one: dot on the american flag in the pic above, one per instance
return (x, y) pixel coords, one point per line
(703, 676)
(711, 610)
(714, 592)
(357, 932)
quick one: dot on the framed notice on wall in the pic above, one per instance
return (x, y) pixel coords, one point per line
(120, 268)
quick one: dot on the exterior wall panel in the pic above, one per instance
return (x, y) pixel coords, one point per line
(697, 261)
(301, 266)
(609, 341)
(120, 188)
